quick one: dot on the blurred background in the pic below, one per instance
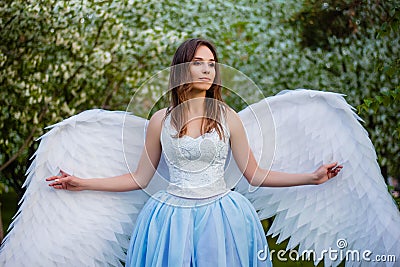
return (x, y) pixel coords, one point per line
(58, 58)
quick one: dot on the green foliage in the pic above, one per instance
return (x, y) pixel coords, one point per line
(367, 68)
(390, 24)
(388, 100)
(3, 188)
(320, 19)
(394, 192)
(58, 58)
(8, 200)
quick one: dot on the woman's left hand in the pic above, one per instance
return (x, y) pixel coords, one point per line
(326, 172)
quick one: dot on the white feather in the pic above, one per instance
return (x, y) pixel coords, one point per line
(296, 132)
(310, 128)
(88, 228)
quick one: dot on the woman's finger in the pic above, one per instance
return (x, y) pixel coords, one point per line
(56, 185)
(63, 175)
(331, 165)
(52, 178)
(336, 171)
(58, 181)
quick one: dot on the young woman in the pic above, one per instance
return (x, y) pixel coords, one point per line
(197, 221)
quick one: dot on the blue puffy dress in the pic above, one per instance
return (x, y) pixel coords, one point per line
(197, 220)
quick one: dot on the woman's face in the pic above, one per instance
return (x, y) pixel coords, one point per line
(202, 68)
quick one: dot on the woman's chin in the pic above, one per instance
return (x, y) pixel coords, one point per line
(202, 86)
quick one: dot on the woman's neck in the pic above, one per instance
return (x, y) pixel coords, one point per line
(194, 93)
(196, 101)
(195, 105)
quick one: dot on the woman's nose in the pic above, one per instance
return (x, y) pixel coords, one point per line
(205, 69)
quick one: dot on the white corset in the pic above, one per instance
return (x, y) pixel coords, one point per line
(196, 165)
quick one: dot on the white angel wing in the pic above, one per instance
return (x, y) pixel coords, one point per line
(352, 213)
(88, 228)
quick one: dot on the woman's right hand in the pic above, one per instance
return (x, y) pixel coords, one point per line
(66, 182)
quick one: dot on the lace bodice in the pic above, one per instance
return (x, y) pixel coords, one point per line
(196, 165)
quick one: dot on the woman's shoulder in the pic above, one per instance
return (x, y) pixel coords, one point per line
(231, 115)
(233, 120)
(157, 118)
(159, 114)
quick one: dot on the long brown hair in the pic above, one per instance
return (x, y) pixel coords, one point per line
(180, 86)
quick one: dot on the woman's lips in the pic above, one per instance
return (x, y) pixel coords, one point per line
(205, 79)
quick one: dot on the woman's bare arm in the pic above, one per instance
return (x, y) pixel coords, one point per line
(130, 181)
(258, 176)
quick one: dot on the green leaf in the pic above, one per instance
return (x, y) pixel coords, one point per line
(368, 102)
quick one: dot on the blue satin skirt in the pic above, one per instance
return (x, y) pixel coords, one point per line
(219, 232)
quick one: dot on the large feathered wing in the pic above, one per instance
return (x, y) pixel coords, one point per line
(350, 214)
(87, 228)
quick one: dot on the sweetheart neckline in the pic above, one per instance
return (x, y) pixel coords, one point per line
(194, 138)
(202, 136)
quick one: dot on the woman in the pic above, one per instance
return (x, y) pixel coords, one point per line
(197, 221)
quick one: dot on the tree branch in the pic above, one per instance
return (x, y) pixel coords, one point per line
(8, 22)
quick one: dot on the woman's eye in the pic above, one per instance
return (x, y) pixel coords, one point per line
(199, 63)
